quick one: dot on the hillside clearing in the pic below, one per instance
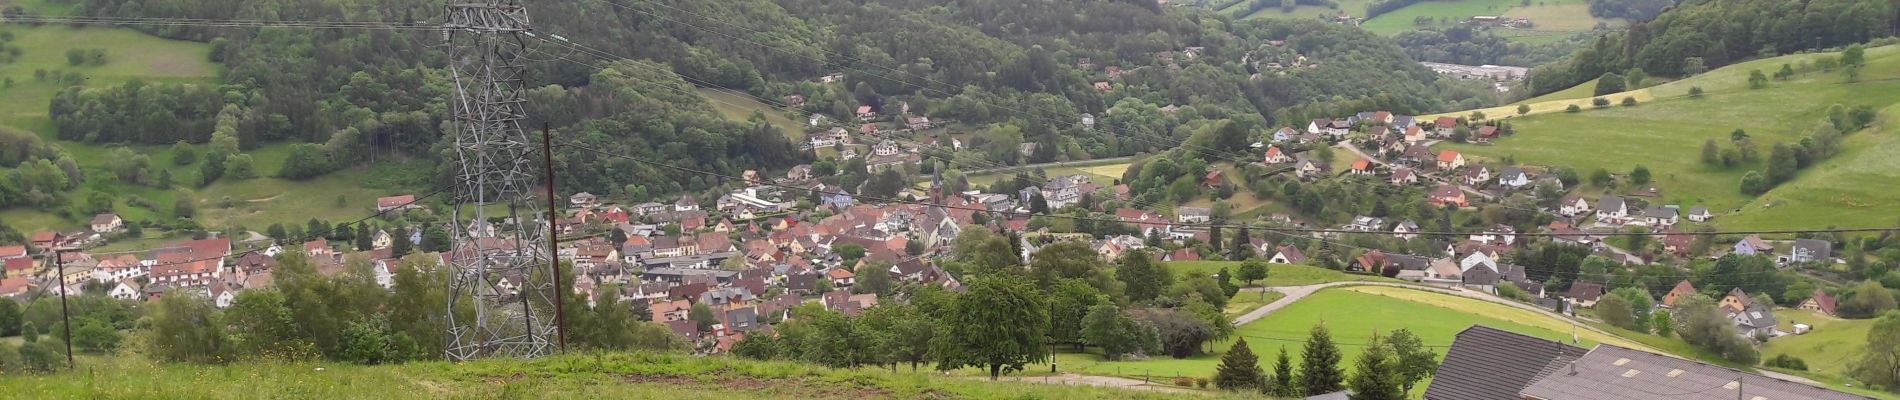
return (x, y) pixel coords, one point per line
(739, 106)
(1667, 134)
(1553, 19)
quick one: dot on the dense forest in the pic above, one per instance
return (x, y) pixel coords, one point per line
(1464, 45)
(359, 94)
(1698, 35)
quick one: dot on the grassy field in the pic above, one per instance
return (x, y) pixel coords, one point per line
(1833, 346)
(1356, 8)
(1277, 274)
(1553, 19)
(1104, 173)
(1581, 91)
(577, 376)
(739, 106)
(1245, 302)
(1352, 314)
(1666, 134)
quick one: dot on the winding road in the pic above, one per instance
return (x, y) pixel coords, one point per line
(1295, 293)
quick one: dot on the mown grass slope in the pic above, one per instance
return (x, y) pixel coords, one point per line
(1666, 133)
(1352, 314)
(575, 376)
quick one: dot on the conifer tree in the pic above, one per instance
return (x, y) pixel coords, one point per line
(1283, 383)
(1319, 364)
(1375, 378)
(1239, 369)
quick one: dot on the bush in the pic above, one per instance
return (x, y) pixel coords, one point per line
(1183, 381)
(1695, 91)
(1573, 108)
(1787, 362)
(1600, 102)
(1200, 382)
(1629, 101)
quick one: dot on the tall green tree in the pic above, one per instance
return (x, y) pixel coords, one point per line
(1319, 364)
(1412, 361)
(1375, 377)
(1283, 383)
(1879, 363)
(998, 324)
(1142, 277)
(10, 318)
(1069, 304)
(1072, 260)
(1239, 369)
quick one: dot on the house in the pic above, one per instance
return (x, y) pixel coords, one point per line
(1417, 155)
(1498, 233)
(1403, 176)
(1755, 321)
(1477, 175)
(1809, 250)
(1361, 167)
(581, 200)
(1405, 230)
(1490, 363)
(1700, 214)
(1193, 215)
(685, 203)
(1486, 133)
(1611, 210)
(44, 240)
(1753, 245)
(1288, 255)
(841, 278)
(1735, 301)
(1572, 205)
(917, 122)
(1678, 243)
(1485, 363)
(865, 113)
(1366, 224)
(1660, 216)
(1415, 135)
(107, 223)
(1103, 86)
(1285, 135)
(1444, 126)
(1213, 179)
(1682, 289)
(1448, 194)
(1308, 168)
(1276, 156)
(14, 287)
(18, 267)
(1820, 302)
(1584, 293)
(12, 252)
(391, 203)
(1372, 261)
(1450, 160)
(1513, 177)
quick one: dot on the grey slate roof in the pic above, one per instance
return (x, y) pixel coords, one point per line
(1486, 363)
(1615, 373)
(1817, 249)
(1608, 202)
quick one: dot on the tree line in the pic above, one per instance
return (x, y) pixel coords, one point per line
(1698, 35)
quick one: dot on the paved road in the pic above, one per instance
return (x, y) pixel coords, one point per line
(1295, 293)
(1103, 381)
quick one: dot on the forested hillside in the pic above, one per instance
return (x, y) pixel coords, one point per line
(1699, 35)
(351, 97)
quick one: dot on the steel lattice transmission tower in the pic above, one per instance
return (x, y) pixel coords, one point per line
(500, 296)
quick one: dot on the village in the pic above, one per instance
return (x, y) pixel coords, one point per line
(778, 241)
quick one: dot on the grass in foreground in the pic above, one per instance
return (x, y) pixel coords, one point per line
(1352, 314)
(576, 376)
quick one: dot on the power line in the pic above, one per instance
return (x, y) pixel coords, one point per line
(215, 23)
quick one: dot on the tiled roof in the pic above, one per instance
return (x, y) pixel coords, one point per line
(1486, 363)
(1614, 373)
